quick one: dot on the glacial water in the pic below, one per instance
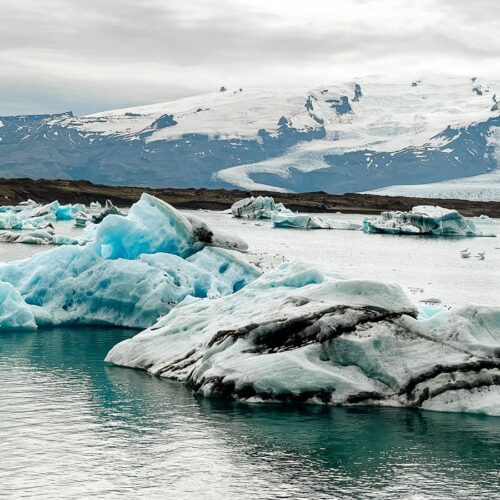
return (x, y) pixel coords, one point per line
(73, 427)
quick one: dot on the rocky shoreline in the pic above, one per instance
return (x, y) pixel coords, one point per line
(13, 191)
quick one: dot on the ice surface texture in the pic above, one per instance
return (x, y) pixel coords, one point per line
(300, 333)
(135, 269)
(428, 220)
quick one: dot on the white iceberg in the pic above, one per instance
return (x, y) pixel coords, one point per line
(261, 207)
(44, 236)
(135, 269)
(425, 220)
(300, 333)
(305, 221)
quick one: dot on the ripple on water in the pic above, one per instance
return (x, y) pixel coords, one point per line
(72, 427)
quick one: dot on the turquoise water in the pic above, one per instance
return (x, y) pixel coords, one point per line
(72, 427)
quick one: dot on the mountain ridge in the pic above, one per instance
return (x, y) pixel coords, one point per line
(355, 136)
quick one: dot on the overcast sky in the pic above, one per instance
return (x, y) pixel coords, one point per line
(93, 55)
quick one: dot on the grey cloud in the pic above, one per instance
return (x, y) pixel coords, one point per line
(59, 50)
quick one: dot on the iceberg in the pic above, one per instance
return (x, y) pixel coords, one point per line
(33, 216)
(133, 270)
(304, 221)
(261, 207)
(55, 211)
(264, 207)
(18, 220)
(109, 209)
(301, 333)
(425, 220)
(44, 236)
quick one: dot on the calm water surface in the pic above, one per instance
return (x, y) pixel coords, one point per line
(72, 427)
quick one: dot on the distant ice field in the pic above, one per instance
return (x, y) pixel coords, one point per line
(427, 268)
(431, 264)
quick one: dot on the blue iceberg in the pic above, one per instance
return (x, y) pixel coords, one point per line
(30, 215)
(135, 269)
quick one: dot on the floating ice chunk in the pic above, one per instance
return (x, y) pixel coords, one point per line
(304, 221)
(81, 219)
(34, 216)
(28, 203)
(19, 220)
(135, 269)
(299, 221)
(44, 236)
(153, 225)
(302, 333)
(428, 220)
(109, 209)
(95, 205)
(261, 207)
(56, 211)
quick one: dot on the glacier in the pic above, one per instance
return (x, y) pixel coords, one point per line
(132, 270)
(305, 334)
(335, 138)
(425, 220)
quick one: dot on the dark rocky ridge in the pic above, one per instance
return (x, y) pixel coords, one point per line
(13, 191)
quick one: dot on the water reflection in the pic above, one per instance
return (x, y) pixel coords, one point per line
(72, 426)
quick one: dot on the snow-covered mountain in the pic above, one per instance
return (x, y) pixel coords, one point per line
(369, 134)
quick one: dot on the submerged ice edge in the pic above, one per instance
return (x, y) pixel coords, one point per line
(300, 333)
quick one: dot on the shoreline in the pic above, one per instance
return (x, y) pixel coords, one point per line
(13, 191)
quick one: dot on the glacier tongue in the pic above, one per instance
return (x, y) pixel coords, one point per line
(134, 269)
(305, 334)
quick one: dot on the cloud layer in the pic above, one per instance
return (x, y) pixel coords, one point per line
(93, 55)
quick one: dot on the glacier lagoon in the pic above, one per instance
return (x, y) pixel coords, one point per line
(454, 280)
(71, 426)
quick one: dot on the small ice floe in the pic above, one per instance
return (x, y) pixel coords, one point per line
(109, 209)
(81, 220)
